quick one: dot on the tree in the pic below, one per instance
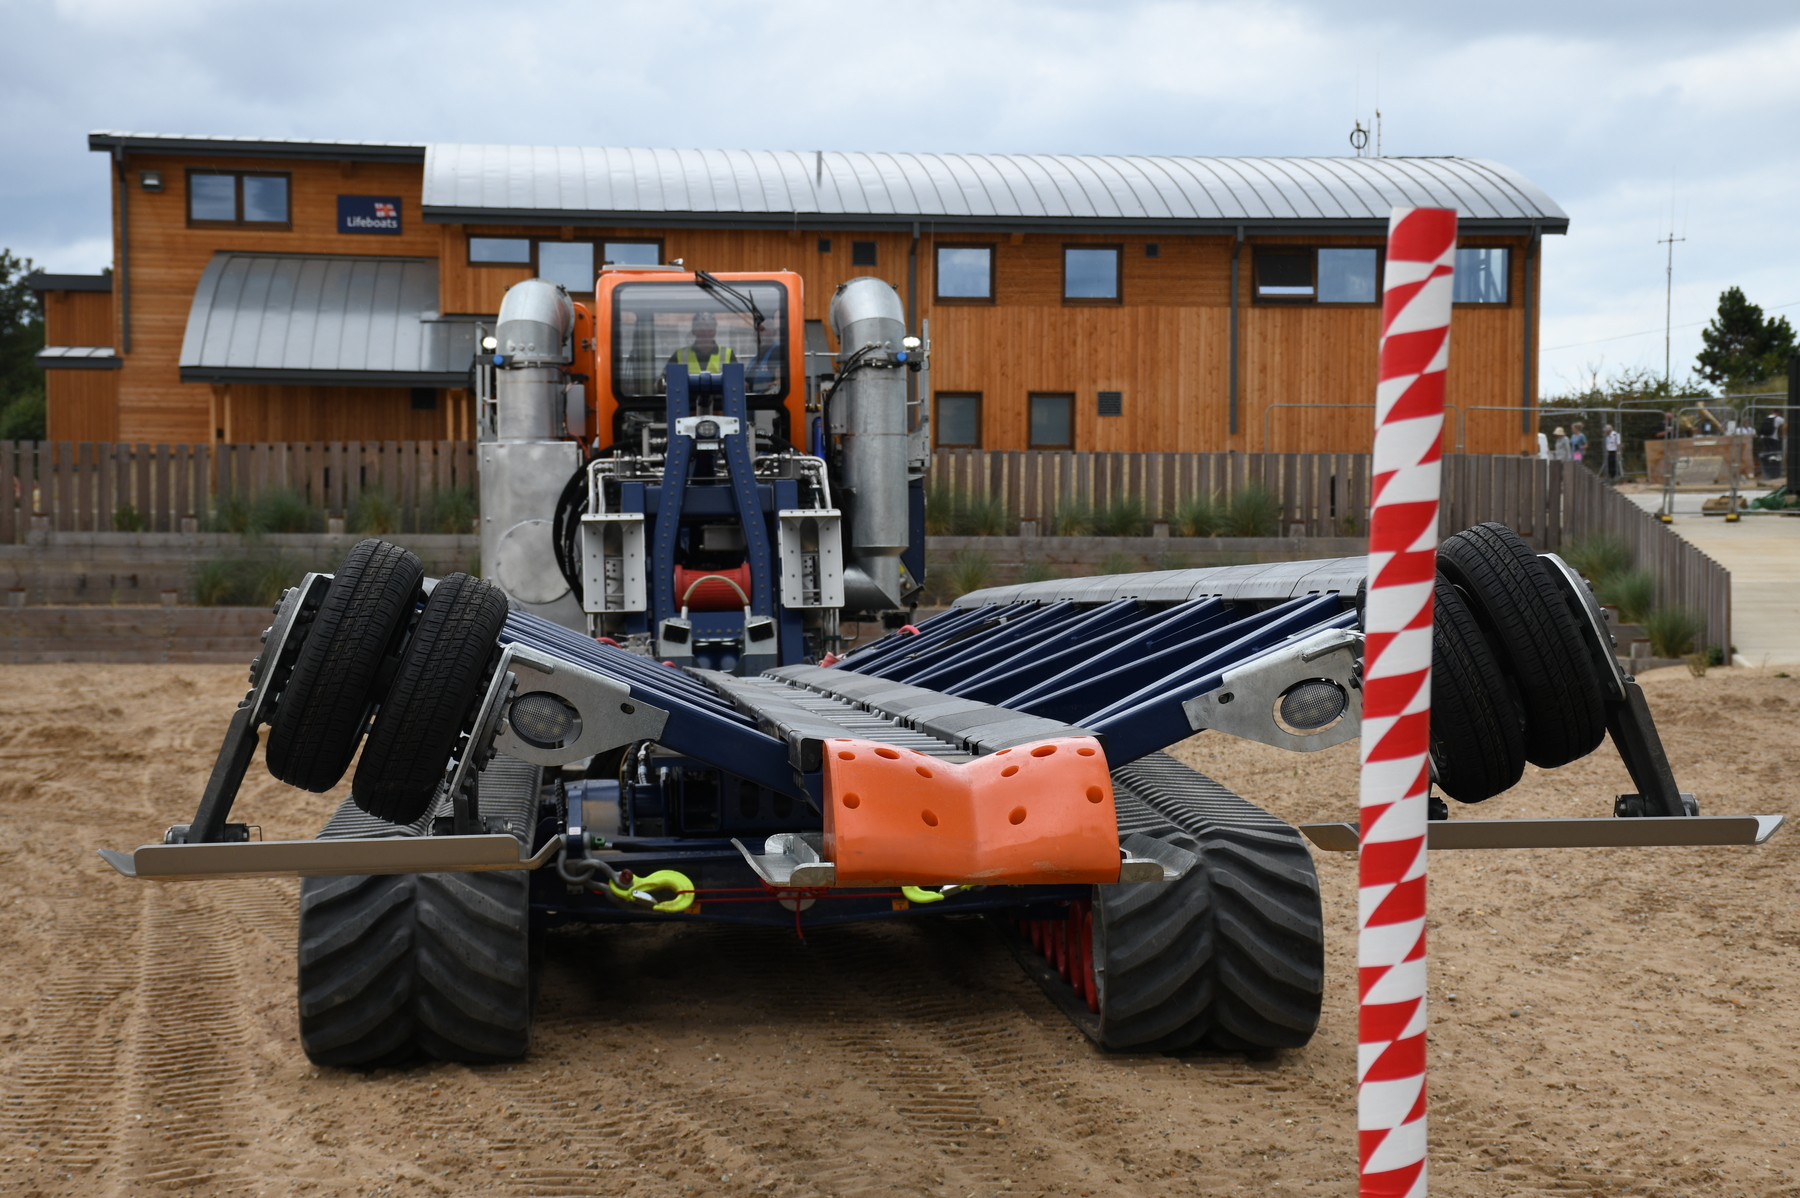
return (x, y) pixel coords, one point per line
(1742, 346)
(21, 336)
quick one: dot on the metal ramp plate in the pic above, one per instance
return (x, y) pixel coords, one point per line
(1604, 833)
(326, 858)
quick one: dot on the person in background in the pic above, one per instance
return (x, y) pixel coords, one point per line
(1577, 441)
(1560, 445)
(1612, 469)
(764, 371)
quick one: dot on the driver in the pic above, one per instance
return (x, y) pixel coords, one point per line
(704, 353)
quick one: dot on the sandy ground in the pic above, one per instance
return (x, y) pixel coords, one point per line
(1607, 1022)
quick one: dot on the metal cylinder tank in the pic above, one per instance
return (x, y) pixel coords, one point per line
(526, 462)
(869, 403)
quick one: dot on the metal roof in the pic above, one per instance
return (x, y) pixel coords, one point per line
(255, 147)
(78, 357)
(298, 318)
(38, 280)
(560, 184)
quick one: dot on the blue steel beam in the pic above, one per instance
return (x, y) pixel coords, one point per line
(943, 669)
(1152, 718)
(1015, 672)
(1130, 646)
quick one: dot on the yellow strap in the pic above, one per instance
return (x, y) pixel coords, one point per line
(645, 889)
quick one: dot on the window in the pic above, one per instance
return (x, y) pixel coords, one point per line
(1152, 250)
(509, 251)
(1347, 276)
(824, 245)
(1091, 273)
(238, 198)
(656, 322)
(634, 253)
(965, 272)
(1328, 275)
(574, 264)
(862, 253)
(424, 399)
(1052, 422)
(570, 263)
(1112, 403)
(958, 421)
(1481, 276)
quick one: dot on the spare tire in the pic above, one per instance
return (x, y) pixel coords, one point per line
(1532, 630)
(319, 716)
(435, 690)
(1477, 737)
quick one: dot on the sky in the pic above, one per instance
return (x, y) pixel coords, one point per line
(1641, 120)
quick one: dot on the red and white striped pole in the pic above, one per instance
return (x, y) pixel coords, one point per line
(1396, 720)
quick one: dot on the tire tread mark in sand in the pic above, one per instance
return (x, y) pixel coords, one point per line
(186, 1067)
(62, 1097)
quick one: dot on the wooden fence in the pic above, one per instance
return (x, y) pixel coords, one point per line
(1547, 503)
(105, 487)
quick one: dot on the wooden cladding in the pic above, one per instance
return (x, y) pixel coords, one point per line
(111, 487)
(1163, 341)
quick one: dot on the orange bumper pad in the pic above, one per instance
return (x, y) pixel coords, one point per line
(1038, 813)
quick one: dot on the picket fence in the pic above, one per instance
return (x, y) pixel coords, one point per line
(106, 486)
(1550, 504)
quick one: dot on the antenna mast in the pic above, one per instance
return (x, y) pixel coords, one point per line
(1668, 300)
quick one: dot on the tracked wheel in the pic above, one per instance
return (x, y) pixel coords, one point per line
(319, 716)
(1231, 956)
(395, 968)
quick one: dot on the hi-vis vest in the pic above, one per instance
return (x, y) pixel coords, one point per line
(691, 360)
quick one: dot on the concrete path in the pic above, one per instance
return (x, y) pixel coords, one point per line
(1762, 551)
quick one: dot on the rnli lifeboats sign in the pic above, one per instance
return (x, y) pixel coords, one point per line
(368, 214)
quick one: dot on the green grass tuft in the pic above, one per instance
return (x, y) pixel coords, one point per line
(373, 513)
(1201, 516)
(1598, 556)
(1673, 631)
(1633, 592)
(1252, 512)
(970, 570)
(449, 511)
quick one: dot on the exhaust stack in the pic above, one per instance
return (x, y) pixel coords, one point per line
(868, 409)
(523, 460)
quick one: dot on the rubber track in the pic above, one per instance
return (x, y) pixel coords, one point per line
(313, 735)
(1536, 638)
(438, 683)
(1477, 741)
(396, 967)
(1232, 954)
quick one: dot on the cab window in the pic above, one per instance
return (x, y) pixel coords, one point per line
(657, 324)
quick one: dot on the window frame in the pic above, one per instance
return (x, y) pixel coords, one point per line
(874, 248)
(993, 252)
(1090, 301)
(1031, 398)
(937, 425)
(1489, 305)
(1313, 300)
(534, 240)
(237, 198)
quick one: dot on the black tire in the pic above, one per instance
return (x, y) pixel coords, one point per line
(1231, 956)
(421, 965)
(438, 683)
(397, 967)
(1535, 637)
(320, 714)
(1477, 737)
